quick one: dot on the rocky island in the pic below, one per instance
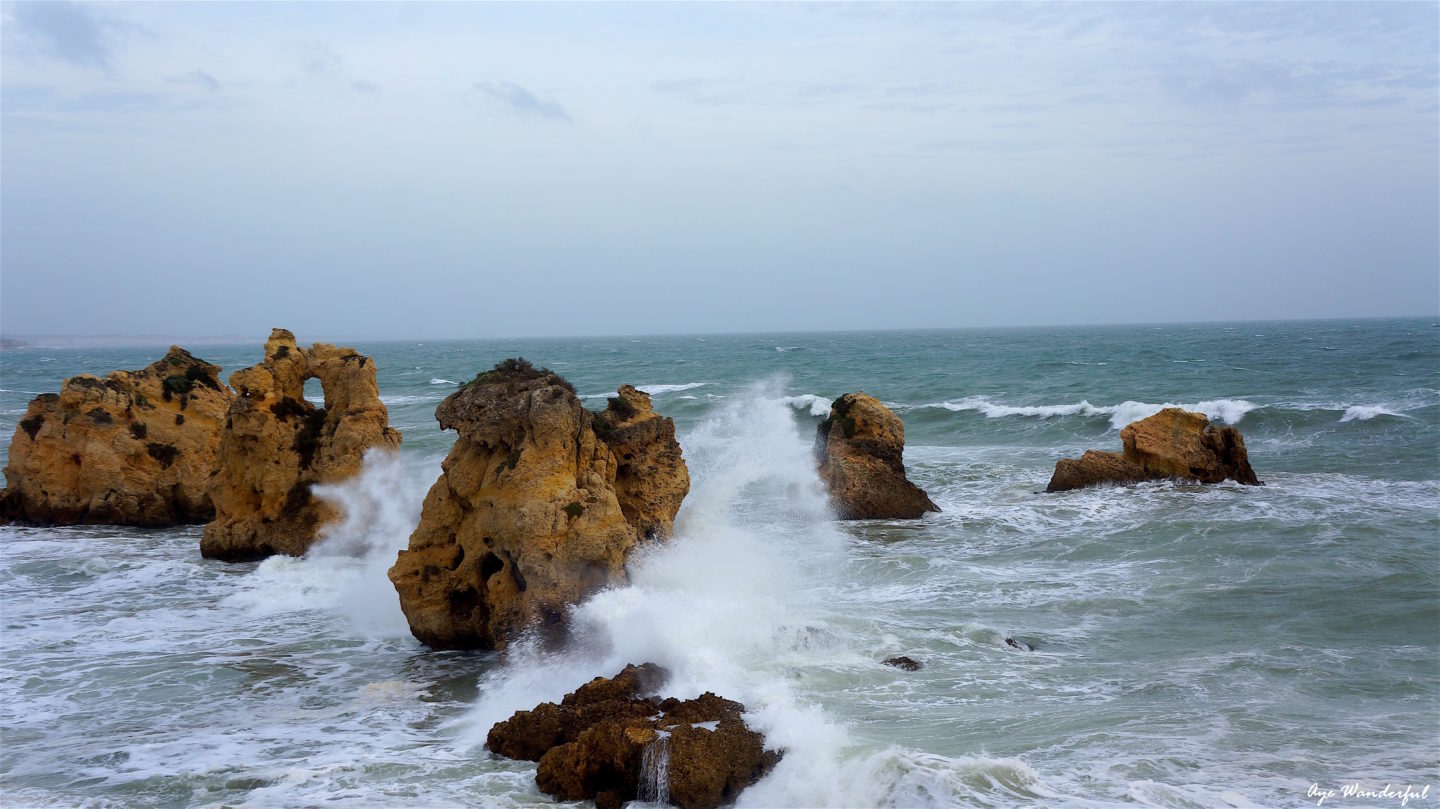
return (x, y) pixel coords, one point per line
(538, 505)
(134, 448)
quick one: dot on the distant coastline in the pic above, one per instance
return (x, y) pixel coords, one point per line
(119, 341)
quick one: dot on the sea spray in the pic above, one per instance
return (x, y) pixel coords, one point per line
(345, 571)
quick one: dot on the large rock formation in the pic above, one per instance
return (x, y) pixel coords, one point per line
(1173, 443)
(276, 445)
(859, 449)
(134, 448)
(610, 742)
(533, 510)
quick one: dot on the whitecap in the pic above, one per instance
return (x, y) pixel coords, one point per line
(1229, 411)
(438, 381)
(1367, 412)
(655, 390)
(816, 405)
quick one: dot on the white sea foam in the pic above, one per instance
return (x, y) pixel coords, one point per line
(404, 399)
(815, 405)
(1230, 411)
(1367, 412)
(345, 571)
(655, 390)
(438, 381)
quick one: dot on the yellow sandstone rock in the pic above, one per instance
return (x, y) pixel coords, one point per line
(276, 446)
(134, 448)
(533, 511)
(860, 450)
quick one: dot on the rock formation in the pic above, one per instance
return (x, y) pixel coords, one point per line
(610, 742)
(533, 510)
(276, 445)
(134, 448)
(1173, 443)
(859, 449)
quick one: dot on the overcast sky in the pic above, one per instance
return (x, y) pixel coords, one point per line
(456, 170)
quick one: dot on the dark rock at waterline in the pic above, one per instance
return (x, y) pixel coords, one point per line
(903, 663)
(1172, 444)
(611, 741)
(1019, 644)
(859, 449)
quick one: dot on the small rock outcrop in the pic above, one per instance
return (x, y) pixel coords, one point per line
(905, 663)
(611, 741)
(533, 510)
(1173, 443)
(276, 445)
(859, 449)
(134, 448)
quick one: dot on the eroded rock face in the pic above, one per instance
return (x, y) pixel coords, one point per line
(859, 449)
(276, 445)
(611, 742)
(651, 478)
(533, 511)
(134, 448)
(1173, 443)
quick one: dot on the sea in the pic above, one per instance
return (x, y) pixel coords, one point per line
(1192, 646)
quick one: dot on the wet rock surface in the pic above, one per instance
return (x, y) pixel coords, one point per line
(1172, 444)
(860, 449)
(612, 741)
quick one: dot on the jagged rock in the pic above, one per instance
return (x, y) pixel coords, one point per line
(859, 449)
(905, 663)
(651, 478)
(276, 445)
(134, 448)
(1173, 443)
(1093, 468)
(530, 514)
(610, 742)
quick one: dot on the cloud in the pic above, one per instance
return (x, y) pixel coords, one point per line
(364, 87)
(522, 101)
(198, 78)
(66, 30)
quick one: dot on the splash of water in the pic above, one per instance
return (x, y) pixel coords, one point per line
(655, 771)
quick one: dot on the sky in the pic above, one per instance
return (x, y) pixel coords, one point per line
(391, 171)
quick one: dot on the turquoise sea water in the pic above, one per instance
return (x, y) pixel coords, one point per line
(1195, 646)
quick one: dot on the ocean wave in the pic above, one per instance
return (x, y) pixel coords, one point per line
(1367, 412)
(404, 399)
(1229, 411)
(816, 405)
(438, 381)
(655, 390)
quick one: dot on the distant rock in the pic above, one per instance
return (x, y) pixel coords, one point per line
(533, 510)
(903, 663)
(1173, 443)
(859, 449)
(134, 448)
(276, 446)
(611, 741)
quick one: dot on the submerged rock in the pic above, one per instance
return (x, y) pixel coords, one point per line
(859, 449)
(134, 448)
(611, 741)
(905, 663)
(276, 446)
(533, 510)
(1173, 443)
